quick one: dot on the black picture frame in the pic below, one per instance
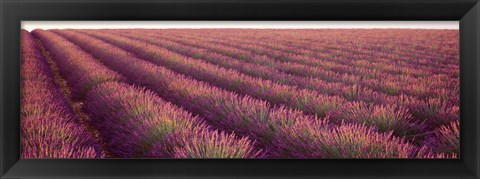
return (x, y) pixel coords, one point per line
(12, 12)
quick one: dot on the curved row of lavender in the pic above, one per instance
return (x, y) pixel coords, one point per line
(132, 122)
(281, 131)
(49, 127)
(136, 123)
(80, 69)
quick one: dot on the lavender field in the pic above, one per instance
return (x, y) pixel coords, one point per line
(240, 93)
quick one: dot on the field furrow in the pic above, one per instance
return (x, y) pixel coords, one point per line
(49, 127)
(158, 125)
(136, 123)
(81, 71)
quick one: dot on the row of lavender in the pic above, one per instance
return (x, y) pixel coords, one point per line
(132, 122)
(183, 99)
(49, 127)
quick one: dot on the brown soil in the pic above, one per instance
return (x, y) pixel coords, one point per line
(76, 104)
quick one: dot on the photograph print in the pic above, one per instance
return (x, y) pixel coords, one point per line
(262, 90)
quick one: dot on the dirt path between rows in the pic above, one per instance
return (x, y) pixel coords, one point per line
(76, 104)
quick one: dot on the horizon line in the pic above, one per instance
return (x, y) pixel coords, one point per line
(30, 25)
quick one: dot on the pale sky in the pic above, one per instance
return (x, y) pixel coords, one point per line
(30, 25)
